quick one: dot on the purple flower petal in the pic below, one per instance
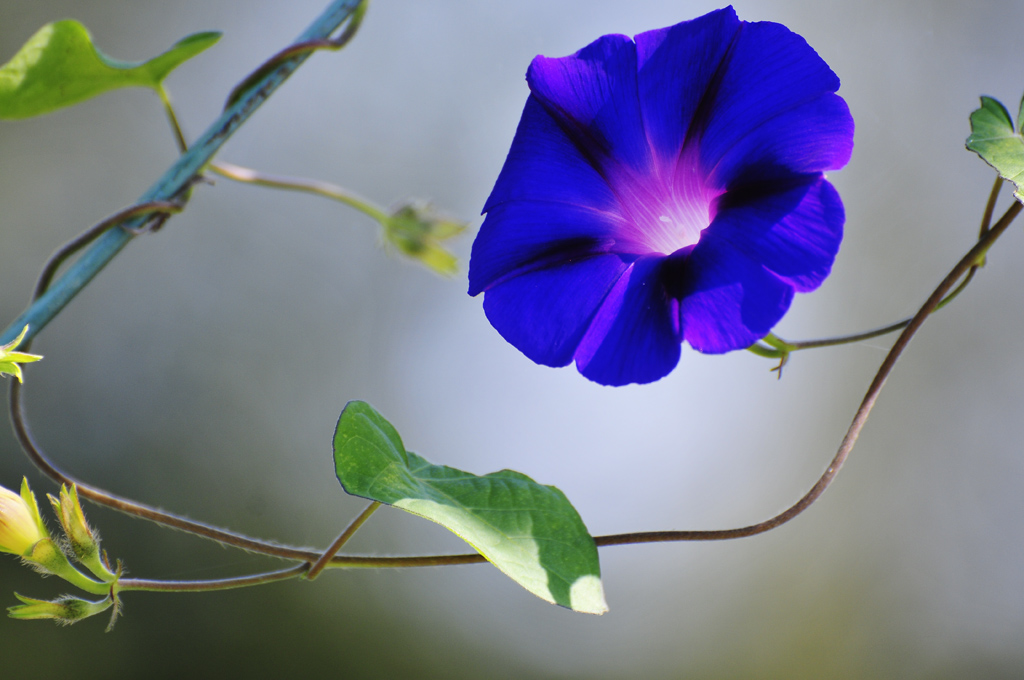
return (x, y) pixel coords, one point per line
(815, 136)
(677, 66)
(592, 95)
(546, 314)
(634, 338)
(774, 99)
(523, 236)
(727, 300)
(795, 234)
(544, 165)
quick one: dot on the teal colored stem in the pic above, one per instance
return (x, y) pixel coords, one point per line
(176, 181)
(156, 211)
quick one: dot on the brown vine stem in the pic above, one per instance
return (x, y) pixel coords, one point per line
(972, 259)
(97, 495)
(126, 584)
(39, 458)
(341, 540)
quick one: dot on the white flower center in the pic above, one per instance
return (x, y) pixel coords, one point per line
(666, 214)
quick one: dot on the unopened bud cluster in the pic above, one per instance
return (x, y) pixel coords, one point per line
(23, 533)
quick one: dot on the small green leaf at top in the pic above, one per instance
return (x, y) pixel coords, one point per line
(59, 66)
(994, 139)
(527, 530)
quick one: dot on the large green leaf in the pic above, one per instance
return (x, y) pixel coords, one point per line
(529, 531)
(994, 139)
(59, 66)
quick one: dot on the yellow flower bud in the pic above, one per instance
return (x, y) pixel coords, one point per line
(20, 526)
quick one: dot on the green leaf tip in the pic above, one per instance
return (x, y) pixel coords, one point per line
(527, 530)
(994, 139)
(60, 66)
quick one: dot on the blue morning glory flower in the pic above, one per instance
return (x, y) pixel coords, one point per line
(664, 189)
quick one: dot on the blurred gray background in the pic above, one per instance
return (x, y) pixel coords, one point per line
(204, 370)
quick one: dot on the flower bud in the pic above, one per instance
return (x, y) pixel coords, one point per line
(20, 524)
(64, 610)
(81, 538)
(84, 542)
(417, 230)
(9, 359)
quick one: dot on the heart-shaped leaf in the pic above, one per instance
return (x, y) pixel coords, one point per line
(995, 140)
(529, 531)
(59, 66)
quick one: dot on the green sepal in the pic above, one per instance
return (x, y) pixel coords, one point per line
(529, 531)
(10, 359)
(59, 66)
(418, 231)
(33, 507)
(46, 557)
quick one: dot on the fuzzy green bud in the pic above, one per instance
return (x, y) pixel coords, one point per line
(83, 540)
(64, 610)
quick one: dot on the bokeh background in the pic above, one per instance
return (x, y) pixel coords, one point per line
(204, 370)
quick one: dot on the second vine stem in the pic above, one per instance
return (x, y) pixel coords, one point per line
(965, 266)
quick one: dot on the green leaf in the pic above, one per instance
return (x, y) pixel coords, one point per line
(59, 66)
(994, 139)
(529, 531)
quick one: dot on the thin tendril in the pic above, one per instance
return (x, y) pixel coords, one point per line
(354, 21)
(990, 206)
(312, 186)
(172, 118)
(245, 175)
(849, 440)
(162, 210)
